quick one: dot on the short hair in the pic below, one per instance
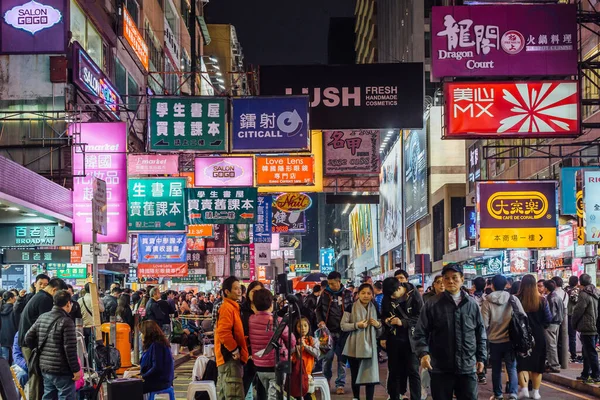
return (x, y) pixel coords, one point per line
(164, 296)
(573, 280)
(70, 287)
(479, 283)
(87, 287)
(558, 280)
(228, 283)
(57, 283)
(419, 286)
(390, 285)
(6, 296)
(401, 272)
(510, 280)
(62, 298)
(541, 281)
(153, 291)
(550, 285)
(316, 288)
(585, 280)
(262, 299)
(42, 276)
(116, 290)
(499, 282)
(334, 275)
(379, 285)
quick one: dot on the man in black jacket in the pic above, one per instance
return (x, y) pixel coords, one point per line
(330, 309)
(585, 320)
(41, 281)
(110, 303)
(39, 304)
(154, 311)
(55, 331)
(450, 340)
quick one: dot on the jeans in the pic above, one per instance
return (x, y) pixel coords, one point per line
(369, 388)
(36, 386)
(444, 384)
(336, 350)
(503, 352)
(402, 366)
(572, 340)
(268, 380)
(5, 353)
(58, 387)
(551, 334)
(590, 356)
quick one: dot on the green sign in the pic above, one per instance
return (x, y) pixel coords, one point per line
(72, 273)
(300, 268)
(188, 123)
(35, 235)
(156, 204)
(190, 279)
(239, 234)
(35, 256)
(221, 205)
(239, 257)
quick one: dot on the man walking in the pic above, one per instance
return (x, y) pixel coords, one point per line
(231, 350)
(496, 310)
(585, 317)
(557, 309)
(332, 304)
(54, 335)
(450, 340)
(110, 303)
(573, 294)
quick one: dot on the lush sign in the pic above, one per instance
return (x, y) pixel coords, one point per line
(221, 206)
(156, 204)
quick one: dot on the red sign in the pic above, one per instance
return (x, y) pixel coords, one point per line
(518, 109)
(162, 270)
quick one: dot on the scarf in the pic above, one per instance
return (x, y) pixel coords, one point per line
(362, 344)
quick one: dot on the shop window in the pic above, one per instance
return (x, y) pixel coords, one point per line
(133, 91)
(185, 12)
(120, 78)
(591, 84)
(156, 53)
(186, 64)
(84, 32)
(134, 10)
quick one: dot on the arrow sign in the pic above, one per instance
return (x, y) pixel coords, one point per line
(541, 238)
(247, 215)
(170, 224)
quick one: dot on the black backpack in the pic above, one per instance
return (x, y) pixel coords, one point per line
(519, 331)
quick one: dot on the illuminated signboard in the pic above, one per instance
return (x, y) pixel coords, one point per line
(32, 17)
(135, 39)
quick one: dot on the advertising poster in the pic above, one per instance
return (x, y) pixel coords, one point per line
(224, 171)
(591, 206)
(264, 220)
(470, 223)
(390, 201)
(327, 259)
(285, 170)
(504, 40)
(221, 206)
(531, 109)
(162, 248)
(568, 189)
(105, 158)
(13, 276)
(362, 237)
(152, 164)
(270, 123)
(287, 221)
(109, 254)
(416, 190)
(519, 261)
(517, 215)
(239, 258)
(134, 38)
(362, 96)
(262, 254)
(351, 152)
(176, 270)
(156, 204)
(218, 244)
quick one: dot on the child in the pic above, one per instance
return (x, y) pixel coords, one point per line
(307, 347)
(260, 334)
(364, 326)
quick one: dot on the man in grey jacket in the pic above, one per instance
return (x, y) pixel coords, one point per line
(55, 330)
(585, 316)
(557, 309)
(496, 311)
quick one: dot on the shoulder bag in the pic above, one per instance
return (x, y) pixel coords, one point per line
(34, 361)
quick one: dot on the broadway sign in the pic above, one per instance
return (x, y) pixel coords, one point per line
(517, 215)
(366, 96)
(539, 109)
(504, 40)
(352, 152)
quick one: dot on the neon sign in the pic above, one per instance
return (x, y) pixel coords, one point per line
(32, 17)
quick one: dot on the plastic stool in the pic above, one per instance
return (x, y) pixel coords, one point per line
(170, 391)
(202, 386)
(322, 385)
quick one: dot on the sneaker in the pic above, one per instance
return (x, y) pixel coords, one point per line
(512, 397)
(482, 380)
(589, 381)
(596, 380)
(553, 370)
(581, 378)
(496, 398)
(523, 393)
(536, 394)
(339, 390)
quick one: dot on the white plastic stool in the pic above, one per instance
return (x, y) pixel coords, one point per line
(322, 385)
(202, 386)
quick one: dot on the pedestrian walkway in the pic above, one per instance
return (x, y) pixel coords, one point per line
(567, 378)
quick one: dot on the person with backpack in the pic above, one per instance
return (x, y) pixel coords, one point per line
(585, 321)
(497, 310)
(330, 309)
(573, 296)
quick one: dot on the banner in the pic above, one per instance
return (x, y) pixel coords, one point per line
(109, 254)
(285, 170)
(517, 215)
(287, 221)
(221, 206)
(218, 244)
(512, 109)
(263, 226)
(504, 40)
(262, 253)
(162, 248)
(363, 96)
(12, 256)
(200, 231)
(351, 152)
(390, 201)
(162, 270)
(152, 164)
(239, 234)
(156, 204)
(591, 206)
(270, 123)
(239, 257)
(416, 191)
(327, 259)
(105, 157)
(224, 171)
(196, 124)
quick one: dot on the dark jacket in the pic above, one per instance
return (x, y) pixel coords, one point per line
(126, 316)
(155, 313)
(585, 313)
(331, 307)
(39, 304)
(409, 315)
(428, 296)
(453, 335)
(9, 324)
(157, 368)
(557, 308)
(59, 355)
(110, 307)
(75, 311)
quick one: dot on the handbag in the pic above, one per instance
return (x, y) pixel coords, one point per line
(33, 365)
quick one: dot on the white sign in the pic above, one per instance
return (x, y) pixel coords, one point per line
(172, 43)
(262, 253)
(109, 254)
(99, 207)
(591, 206)
(32, 17)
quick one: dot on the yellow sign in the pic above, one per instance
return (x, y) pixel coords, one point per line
(290, 202)
(517, 206)
(517, 238)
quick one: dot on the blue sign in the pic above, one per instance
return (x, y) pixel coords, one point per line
(270, 123)
(159, 248)
(470, 223)
(327, 258)
(264, 220)
(568, 190)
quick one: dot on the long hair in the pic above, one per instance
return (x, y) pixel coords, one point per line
(124, 302)
(251, 287)
(528, 294)
(152, 334)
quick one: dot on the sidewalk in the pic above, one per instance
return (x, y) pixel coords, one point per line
(567, 378)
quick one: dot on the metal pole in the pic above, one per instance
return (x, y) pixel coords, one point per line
(564, 340)
(94, 251)
(402, 172)
(136, 340)
(193, 45)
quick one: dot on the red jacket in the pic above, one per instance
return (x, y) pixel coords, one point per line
(229, 334)
(261, 332)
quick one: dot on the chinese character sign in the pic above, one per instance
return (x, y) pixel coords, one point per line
(221, 206)
(223, 171)
(188, 123)
(287, 221)
(591, 206)
(270, 123)
(517, 215)
(263, 225)
(285, 170)
(351, 152)
(152, 164)
(36, 256)
(504, 40)
(526, 109)
(470, 223)
(161, 248)
(105, 157)
(156, 204)
(239, 259)
(239, 234)
(177, 270)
